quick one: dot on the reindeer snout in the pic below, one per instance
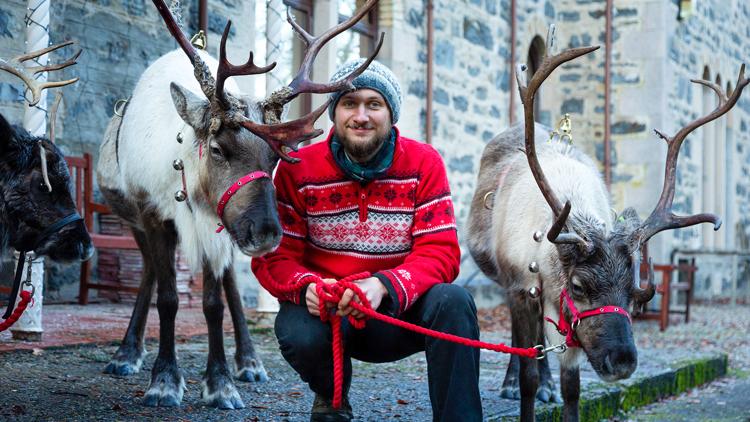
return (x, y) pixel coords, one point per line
(265, 234)
(621, 362)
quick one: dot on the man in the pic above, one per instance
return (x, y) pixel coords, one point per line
(371, 200)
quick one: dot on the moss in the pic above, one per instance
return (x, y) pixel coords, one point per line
(605, 401)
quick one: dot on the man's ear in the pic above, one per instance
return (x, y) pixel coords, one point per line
(191, 108)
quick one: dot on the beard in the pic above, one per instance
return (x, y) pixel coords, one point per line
(364, 150)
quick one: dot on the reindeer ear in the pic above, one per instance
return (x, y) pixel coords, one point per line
(7, 135)
(191, 108)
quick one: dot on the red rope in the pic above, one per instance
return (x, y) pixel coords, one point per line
(332, 292)
(25, 299)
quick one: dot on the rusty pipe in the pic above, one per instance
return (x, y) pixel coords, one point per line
(203, 17)
(430, 42)
(512, 62)
(607, 93)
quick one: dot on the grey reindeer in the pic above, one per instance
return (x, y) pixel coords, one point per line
(585, 274)
(37, 211)
(227, 146)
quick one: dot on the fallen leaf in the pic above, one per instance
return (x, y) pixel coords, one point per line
(294, 394)
(401, 401)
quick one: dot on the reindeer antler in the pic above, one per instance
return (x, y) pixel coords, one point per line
(26, 74)
(528, 93)
(279, 136)
(662, 217)
(301, 83)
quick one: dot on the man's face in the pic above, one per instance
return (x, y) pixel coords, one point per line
(362, 123)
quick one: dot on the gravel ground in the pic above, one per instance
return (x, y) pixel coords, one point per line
(717, 328)
(67, 383)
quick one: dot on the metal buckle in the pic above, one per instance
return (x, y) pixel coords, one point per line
(542, 351)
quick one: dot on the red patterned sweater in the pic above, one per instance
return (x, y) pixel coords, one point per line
(400, 227)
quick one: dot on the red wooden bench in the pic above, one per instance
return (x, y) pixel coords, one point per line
(82, 175)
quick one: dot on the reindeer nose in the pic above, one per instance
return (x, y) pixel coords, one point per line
(621, 362)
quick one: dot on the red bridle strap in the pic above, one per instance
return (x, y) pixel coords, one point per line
(568, 328)
(256, 175)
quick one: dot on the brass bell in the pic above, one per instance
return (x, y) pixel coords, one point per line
(534, 267)
(199, 40)
(534, 292)
(177, 164)
(179, 137)
(538, 236)
(180, 196)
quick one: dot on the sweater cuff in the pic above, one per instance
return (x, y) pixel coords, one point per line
(390, 305)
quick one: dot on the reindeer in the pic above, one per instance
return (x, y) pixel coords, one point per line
(226, 143)
(586, 261)
(37, 213)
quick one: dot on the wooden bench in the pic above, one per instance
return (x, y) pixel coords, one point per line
(82, 175)
(666, 287)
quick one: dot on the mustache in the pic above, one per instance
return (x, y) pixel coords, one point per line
(362, 126)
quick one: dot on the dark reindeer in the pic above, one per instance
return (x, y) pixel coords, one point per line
(37, 212)
(586, 261)
(227, 146)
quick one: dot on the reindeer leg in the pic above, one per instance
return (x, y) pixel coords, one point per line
(525, 320)
(167, 383)
(510, 383)
(129, 356)
(547, 392)
(249, 366)
(218, 388)
(570, 384)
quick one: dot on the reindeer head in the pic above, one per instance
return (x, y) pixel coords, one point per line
(242, 139)
(602, 268)
(35, 186)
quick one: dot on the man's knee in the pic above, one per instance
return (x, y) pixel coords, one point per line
(451, 298)
(301, 336)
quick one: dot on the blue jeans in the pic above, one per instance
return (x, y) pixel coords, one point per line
(452, 369)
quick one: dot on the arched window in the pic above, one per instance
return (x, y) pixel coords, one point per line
(361, 40)
(533, 61)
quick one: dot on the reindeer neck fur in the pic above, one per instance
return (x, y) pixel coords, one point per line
(146, 149)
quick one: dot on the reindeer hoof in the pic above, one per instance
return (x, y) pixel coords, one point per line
(166, 390)
(511, 393)
(547, 393)
(225, 398)
(123, 369)
(253, 373)
(126, 361)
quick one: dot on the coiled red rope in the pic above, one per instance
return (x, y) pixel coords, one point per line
(25, 299)
(332, 292)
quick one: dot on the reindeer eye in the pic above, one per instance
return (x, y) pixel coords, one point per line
(216, 151)
(576, 289)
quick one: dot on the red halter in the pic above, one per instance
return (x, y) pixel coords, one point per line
(256, 175)
(568, 329)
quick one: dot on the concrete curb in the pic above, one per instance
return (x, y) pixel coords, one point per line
(604, 401)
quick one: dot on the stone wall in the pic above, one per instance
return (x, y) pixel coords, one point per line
(119, 39)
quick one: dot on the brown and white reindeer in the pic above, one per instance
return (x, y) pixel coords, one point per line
(185, 108)
(585, 273)
(37, 211)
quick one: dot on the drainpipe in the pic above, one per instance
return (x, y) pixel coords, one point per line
(512, 62)
(607, 88)
(203, 18)
(430, 41)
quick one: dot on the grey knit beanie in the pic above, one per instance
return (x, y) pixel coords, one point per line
(378, 77)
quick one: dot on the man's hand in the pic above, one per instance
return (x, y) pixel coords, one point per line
(313, 301)
(374, 291)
